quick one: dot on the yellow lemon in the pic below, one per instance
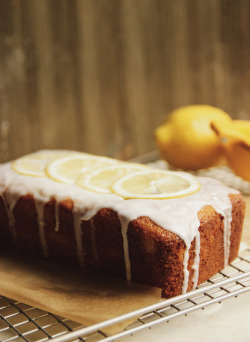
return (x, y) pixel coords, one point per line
(235, 138)
(69, 168)
(34, 164)
(102, 179)
(156, 184)
(187, 140)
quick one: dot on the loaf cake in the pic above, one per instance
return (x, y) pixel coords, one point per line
(174, 244)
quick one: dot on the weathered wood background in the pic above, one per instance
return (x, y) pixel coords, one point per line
(101, 75)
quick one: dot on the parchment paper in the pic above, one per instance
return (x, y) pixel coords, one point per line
(85, 297)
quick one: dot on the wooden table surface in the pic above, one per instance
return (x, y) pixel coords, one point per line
(246, 228)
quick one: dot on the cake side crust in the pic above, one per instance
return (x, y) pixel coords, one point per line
(156, 254)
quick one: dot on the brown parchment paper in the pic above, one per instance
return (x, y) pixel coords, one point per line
(85, 297)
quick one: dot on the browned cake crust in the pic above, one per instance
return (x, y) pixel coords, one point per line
(156, 254)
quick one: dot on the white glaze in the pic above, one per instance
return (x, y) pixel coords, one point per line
(93, 239)
(177, 215)
(196, 260)
(57, 221)
(11, 219)
(185, 269)
(40, 220)
(124, 229)
(78, 236)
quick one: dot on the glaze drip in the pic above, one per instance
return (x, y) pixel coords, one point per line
(40, 221)
(11, 218)
(78, 236)
(185, 269)
(196, 260)
(124, 229)
(57, 212)
(93, 239)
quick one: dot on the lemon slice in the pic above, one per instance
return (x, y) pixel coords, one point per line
(156, 184)
(68, 169)
(101, 180)
(34, 164)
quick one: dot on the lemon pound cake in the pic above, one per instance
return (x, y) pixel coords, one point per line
(165, 229)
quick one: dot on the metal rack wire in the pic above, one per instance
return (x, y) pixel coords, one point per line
(20, 322)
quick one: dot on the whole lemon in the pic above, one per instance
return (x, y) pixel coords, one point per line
(187, 141)
(235, 139)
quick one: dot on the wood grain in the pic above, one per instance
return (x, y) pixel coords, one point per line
(101, 75)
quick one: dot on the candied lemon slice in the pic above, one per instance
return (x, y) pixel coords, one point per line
(68, 169)
(101, 180)
(34, 164)
(156, 184)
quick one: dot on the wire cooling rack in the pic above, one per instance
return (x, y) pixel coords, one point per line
(21, 322)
